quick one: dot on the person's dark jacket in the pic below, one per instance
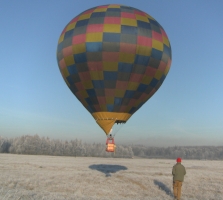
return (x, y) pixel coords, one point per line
(178, 172)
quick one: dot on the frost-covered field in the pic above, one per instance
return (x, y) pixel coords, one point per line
(51, 178)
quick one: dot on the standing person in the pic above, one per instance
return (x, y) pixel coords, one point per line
(178, 177)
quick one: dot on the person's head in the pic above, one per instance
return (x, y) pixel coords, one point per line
(178, 160)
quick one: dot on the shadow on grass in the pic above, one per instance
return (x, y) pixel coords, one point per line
(108, 169)
(163, 187)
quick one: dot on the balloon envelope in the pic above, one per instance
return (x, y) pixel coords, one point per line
(113, 58)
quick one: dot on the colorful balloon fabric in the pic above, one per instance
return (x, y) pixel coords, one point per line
(113, 58)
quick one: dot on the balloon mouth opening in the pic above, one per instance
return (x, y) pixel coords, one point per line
(120, 122)
(107, 119)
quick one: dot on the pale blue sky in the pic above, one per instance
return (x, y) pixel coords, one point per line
(186, 110)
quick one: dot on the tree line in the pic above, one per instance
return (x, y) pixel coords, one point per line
(36, 145)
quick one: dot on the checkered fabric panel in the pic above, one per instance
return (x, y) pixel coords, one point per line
(113, 58)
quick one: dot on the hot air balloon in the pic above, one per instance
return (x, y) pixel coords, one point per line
(113, 58)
